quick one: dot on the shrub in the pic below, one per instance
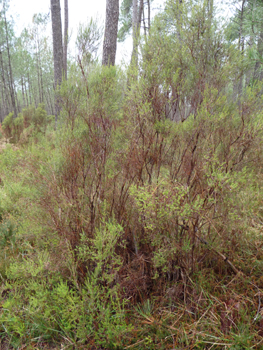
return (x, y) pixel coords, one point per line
(7, 125)
(28, 123)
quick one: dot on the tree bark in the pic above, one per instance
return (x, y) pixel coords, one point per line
(149, 15)
(29, 89)
(38, 67)
(23, 92)
(136, 26)
(241, 44)
(134, 57)
(11, 81)
(179, 21)
(4, 102)
(51, 100)
(144, 24)
(57, 48)
(6, 99)
(258, 73)
(18, 108)
(111, 31)
(65, 45)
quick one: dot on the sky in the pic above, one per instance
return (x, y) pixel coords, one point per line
(79, 11)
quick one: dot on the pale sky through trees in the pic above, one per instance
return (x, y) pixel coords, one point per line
(79, 11)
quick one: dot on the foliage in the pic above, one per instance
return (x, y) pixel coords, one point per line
(137, 223)
(7, 124)
(28, 123)
(88, 40)
(125, 19)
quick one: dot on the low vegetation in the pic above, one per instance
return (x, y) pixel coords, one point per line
(121, 228)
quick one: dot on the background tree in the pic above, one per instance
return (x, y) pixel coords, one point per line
(245, 29)
(33, 65)
(129, 15)
(6, 59)
(183, 59)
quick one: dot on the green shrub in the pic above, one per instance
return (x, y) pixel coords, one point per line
(7, 125)
(27, 125)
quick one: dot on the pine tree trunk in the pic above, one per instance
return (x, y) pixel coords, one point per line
(149, 15)
(258, 73)
(111, 31)
(144, 24)
(11, 81)
(65, 45)
(241, 43)
(57, 48)
(23, 92)
(38, 66)
(6, 99)
(48, 103)
(51, 101)
(134, 57)
(18, 108)
(136, 26)
(179, 21)
(4, 103)
(40, 76)
(2, 113)
(29, 89)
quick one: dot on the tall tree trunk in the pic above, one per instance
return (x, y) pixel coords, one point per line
(29, 89)
(65, 45)
(4, 102)
(7, 104)
(39, 73)
(144, 24)
(149, 15)
(23, 93)
(51, 100)
(2, 105)
(241, 43)
(238, 83)
(27, 99)
(11, 81)
(179, 21)
(17, 102)
(111, 31)
(134, 57)
(38, 67)
(57, 48)
(258, 73)
(48, 103)
(41, 81)
(34, 91)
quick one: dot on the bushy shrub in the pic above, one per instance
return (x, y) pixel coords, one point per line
(28, 123)
(7, 125)
(122, 205)
(56, 309)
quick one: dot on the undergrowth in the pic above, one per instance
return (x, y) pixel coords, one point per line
(123, 229)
